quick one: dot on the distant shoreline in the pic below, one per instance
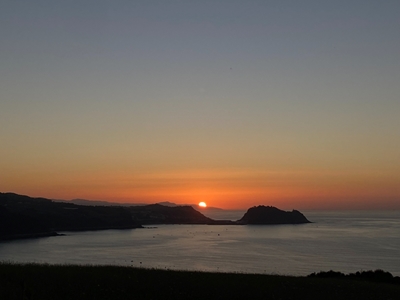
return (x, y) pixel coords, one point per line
(24, 217)
(23, 236)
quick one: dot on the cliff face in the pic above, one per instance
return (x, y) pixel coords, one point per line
(272, 215)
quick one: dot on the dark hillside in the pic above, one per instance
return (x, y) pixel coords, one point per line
(160, 214)
(23, 216)
(271, 215)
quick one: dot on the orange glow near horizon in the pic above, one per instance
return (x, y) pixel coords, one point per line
(211, 113)
(226, 189)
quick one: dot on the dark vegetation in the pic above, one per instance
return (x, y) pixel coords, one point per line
(26, 217)
(109, 282)
(373, 276)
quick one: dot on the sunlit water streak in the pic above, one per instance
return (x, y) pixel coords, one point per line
(343, 241)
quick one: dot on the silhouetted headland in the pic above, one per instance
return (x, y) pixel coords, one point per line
(160, 214)
(26, 217)
(269, 215)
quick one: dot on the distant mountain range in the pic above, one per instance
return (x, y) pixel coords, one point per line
(97, 202)
(107, 203)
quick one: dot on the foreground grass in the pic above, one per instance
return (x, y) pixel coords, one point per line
(32, 281)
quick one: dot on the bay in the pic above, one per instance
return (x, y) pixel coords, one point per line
(343, 241)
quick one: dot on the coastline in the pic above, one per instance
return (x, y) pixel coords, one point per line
(22, 236)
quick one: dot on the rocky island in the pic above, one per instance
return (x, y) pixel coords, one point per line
(269, 215)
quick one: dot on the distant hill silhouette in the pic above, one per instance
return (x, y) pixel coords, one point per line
(160, 214)
(108, 203)
(268, 215)
(23, 216)
(97, 202)
(195, 206)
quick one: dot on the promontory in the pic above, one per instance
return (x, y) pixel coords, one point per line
(269, 215)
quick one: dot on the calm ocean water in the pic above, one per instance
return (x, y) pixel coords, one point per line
(342, 241)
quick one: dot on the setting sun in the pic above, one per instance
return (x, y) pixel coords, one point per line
(202, 204)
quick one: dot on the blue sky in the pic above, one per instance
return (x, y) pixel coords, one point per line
(95, 93)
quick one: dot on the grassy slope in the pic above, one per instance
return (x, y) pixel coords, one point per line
(94, 282)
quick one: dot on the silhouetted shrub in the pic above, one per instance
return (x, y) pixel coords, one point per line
(329, 274)
(374, 276)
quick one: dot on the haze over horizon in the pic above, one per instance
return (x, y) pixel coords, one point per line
(293, 104)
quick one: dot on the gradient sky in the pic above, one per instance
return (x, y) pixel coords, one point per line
(294, 104)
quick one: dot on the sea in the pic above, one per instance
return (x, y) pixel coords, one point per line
(345, 241)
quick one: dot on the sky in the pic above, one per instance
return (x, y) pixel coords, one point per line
(294, 104)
